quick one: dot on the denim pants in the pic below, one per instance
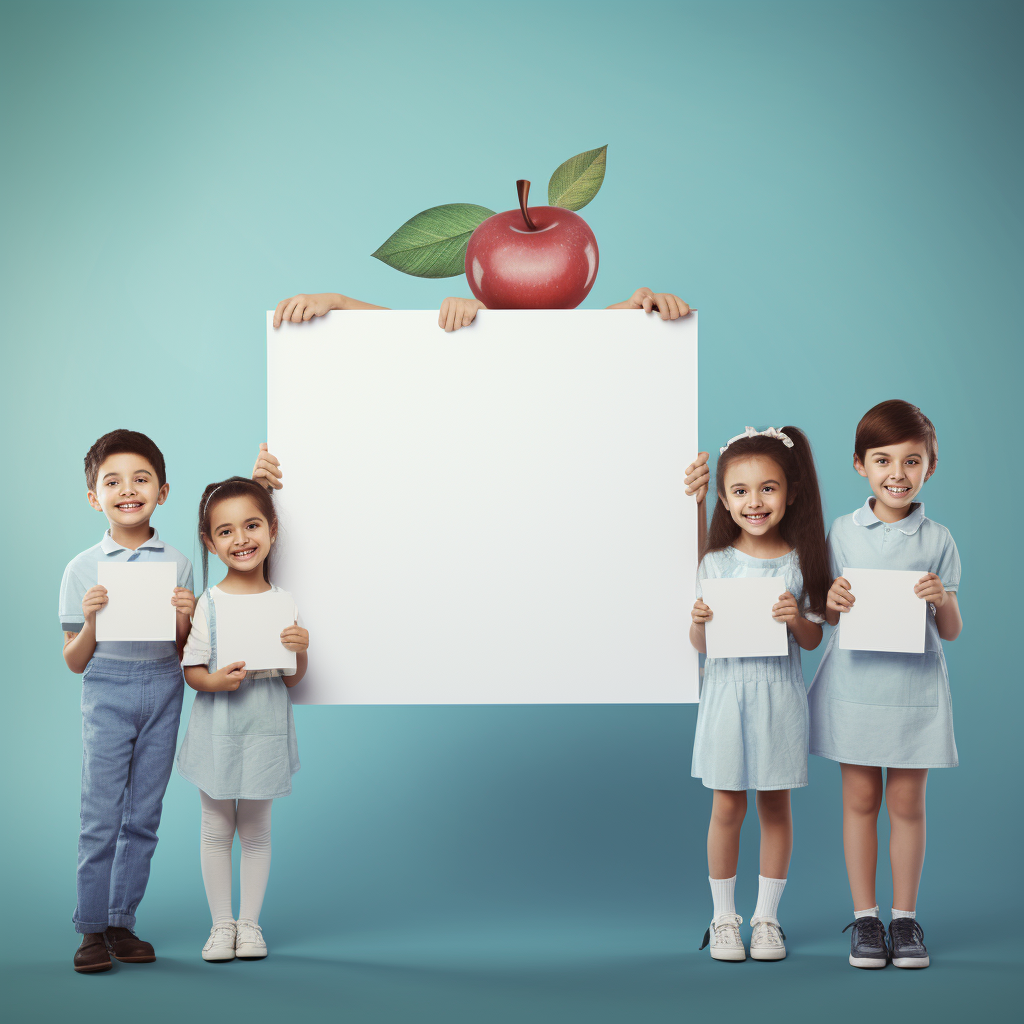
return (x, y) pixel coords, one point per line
(130, 713)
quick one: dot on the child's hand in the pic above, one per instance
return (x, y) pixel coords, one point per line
(184, 601)
(304, 307)
(295, 638)
(95, 598)
(701, 613)
(697, 476)
(267, 469)
(228, 678)
(786, 609)
(456, 313)
(669, 306)
(930, 588)
(840, 597)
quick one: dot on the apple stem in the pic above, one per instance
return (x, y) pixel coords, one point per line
(523, 186)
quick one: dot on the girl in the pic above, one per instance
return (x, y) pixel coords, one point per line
(752, 717)
(240, 745)
(871, 710)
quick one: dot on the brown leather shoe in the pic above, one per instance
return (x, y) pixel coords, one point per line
(127, 947)
(91, 957)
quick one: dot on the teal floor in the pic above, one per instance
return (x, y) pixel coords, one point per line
(547, 977)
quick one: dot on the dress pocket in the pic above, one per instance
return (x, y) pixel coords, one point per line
(886, 680)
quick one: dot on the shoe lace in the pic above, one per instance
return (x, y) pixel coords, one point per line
(726, 927)
(767, 932)
(905, 931)
(249, 931)
(867, 929)
(227, 927)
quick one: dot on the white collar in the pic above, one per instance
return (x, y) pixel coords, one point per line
(865, 516)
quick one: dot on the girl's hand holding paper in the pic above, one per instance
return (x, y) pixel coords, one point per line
(295, 638)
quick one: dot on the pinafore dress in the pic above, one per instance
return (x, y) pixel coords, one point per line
(240, 744)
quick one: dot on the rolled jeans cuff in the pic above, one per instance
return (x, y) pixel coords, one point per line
(120, 920)
(89, 927)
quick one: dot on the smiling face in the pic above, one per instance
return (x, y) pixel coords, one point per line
(756, 494)
(240, 535)
(896, 473)
(127, 490)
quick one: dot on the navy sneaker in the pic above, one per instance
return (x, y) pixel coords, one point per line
(906, 943)
(868, 947)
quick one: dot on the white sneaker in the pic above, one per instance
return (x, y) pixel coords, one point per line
(221, 943)
(249, 944)
(768, 939)
(724, 937)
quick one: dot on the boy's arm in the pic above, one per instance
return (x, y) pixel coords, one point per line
(78, 648)
(305, 307)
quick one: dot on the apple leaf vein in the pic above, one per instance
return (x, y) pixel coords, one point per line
(433, 243)
(576, 181)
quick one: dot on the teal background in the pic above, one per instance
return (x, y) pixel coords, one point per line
(835, 186)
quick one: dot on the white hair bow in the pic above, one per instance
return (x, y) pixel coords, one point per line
(751, 432)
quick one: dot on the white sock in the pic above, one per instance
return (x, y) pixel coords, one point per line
(769, 892)
(912, 914)
(216, 834)
(253, 822)
(723, 892)
(873, 912)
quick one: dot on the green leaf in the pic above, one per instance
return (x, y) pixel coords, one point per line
(576, 182)
(433, 243)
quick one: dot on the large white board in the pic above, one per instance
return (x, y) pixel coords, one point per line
(492, 516)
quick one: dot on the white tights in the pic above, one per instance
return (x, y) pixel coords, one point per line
(216, 834)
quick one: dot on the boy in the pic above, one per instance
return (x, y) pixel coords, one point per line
(131, 702)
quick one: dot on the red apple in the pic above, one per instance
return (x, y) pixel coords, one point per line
(538, 257)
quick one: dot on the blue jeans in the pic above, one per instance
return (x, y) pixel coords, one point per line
(130, 712)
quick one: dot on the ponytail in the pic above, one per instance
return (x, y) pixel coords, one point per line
(802, 526)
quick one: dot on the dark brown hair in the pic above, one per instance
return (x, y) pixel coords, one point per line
(116, 443)
(802, 526)
(894, 422)
(233, 487)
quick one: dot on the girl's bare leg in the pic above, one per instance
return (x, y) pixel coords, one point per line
(773, 811)
(862, 800)
(728, 809)
(904, 800)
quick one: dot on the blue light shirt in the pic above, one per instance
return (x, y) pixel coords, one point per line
(81, 574)
(874, 707)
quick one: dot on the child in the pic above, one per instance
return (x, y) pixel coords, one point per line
(240, 747)
(872, 710)
(456, 312)
(131, 702)
(752, 717)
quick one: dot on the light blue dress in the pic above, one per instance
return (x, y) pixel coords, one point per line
(752, 717)
(872, 707)
(240, 744)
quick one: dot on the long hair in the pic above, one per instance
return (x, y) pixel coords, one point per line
(802, 526)
(233, 487)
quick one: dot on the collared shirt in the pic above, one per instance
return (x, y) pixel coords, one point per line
(863, 541)
(81, 574)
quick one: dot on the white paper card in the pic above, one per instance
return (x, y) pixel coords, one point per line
(887, 615)
(249, 629)
(741, 625)
(509, 522)
(138, 600)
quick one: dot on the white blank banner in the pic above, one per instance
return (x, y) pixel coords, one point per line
(494, 516)
(741, 623)
(886, 615)
(138, 604)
